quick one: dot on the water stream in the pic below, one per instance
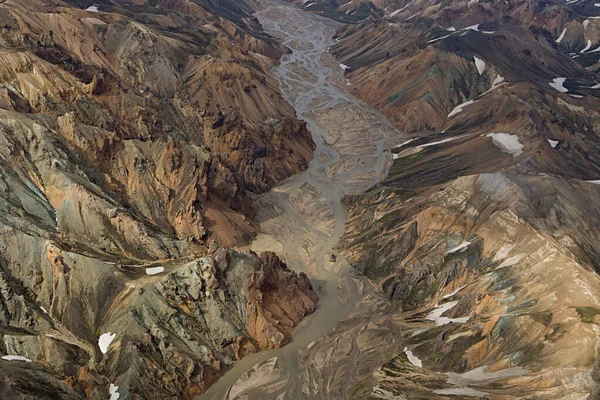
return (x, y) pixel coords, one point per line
(303, 218)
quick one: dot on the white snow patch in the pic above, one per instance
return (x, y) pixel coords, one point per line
(460, 107)
(440, 38)
(440, 141)
(454, 292)
(401, 9)
(404, 143)
(553, 143)
(557, 83)
(596, 4)
(344, 66)
(472, 27)
(596, 86)
(15, 358)
(576, 96)
(154, 270)
(596, 182)
(105, 340)
(587, 47)
(414, 360)
(436, 315)
(43, 309)
(480, 64)
(499, 81)
(562, 35)
(471, 2)
(451, 29)
(586, 23)
(112, 390)
(508, 143)
(92, 9)
(457, 248)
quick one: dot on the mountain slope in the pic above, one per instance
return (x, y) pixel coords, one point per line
(131, 136)
(485, 228)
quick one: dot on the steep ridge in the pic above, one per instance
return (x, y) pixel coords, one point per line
(485, 230)
(132, 136)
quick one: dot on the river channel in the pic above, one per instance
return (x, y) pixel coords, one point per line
(303, 218)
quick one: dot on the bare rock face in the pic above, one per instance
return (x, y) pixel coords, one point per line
(280, 299)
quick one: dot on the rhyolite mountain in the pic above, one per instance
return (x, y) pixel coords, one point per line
(493, 199)
(135, 133)
(131, 136)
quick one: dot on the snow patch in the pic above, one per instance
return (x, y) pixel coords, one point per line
(586, 23)
(460, 107)
(457, 248)
(404, 144)
(451, 29)
(472, 27)
(414, 360)
(105, 340)
(562, 36)
(508, 143)
(15, 358)
(112, 390)
(553, 143)
(92, 9)
(344, 67)
(576, 96)
(401, 9)
(154, 270)
(440, 38)
(587, 47)
(454, 292)
(480, 64)
(440, 141)
(557, 83)
(436, 315)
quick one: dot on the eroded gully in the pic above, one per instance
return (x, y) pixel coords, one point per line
(303, 218)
